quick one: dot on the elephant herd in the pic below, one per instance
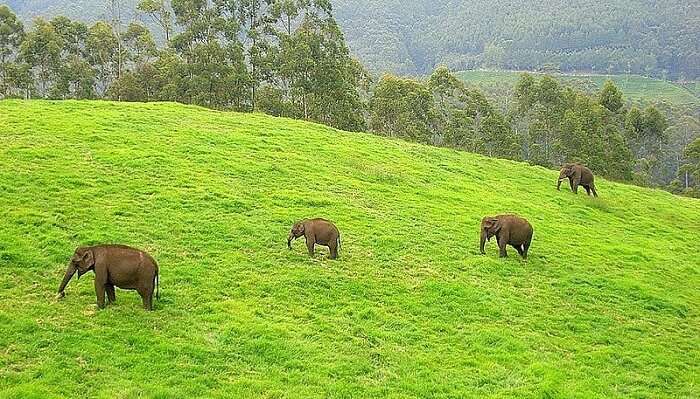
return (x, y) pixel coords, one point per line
(132, 269)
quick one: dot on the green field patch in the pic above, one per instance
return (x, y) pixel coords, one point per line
(606, 305)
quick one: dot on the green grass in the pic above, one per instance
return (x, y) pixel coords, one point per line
(693, 86)
(607, 305)
(635, 88)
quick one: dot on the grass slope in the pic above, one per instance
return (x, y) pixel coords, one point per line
(607, 305)
(634, 87)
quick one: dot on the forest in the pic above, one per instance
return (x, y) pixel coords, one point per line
(622, 36)
(290, 58)
(413, 37)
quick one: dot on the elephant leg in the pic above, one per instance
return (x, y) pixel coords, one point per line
(595, 194)
(576, 183)
(526, 247)
(571, 184)
(110, 293)
(588, 189)
(502, 242)
(147, 298)
(100, 292)
(519, 248)
(310, 246)
(334, 250)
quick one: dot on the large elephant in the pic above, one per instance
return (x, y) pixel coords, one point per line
(509, 230)
(115, 265)
(577, 175)
(316, 231)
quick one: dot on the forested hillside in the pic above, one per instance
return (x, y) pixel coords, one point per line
(647, 37)
(89, 10)
(657, 38)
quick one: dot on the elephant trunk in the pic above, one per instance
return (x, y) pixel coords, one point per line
(289, 240)
(70, 271)
(559, 183)
(483, 241)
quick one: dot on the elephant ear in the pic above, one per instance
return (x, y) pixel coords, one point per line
(496, 225)
(492, 225)
(87, 260)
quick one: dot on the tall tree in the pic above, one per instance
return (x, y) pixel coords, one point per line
(140, 47)
(41, 50)
(115, 7)
(610, 97)
(213, 55)
(254, 18)
(681, 134)
(691, 169)
(465, 119)
(160, 12)
(103, 53)
(11, 35)
(326, 79)
(75, 77)
(137, 80)
(402, 108)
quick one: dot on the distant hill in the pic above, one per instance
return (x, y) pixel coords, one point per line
(606, 306)
(412, 37)
(611, 36)
(635, 88)
(87, 10)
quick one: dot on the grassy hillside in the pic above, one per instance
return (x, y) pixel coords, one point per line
(635, 88)
(607, 305)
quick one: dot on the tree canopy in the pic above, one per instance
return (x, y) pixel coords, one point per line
(413, 37)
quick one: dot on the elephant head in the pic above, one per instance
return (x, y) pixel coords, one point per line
(566, 171)
(296, 232)
(82, 261)
(489, 228)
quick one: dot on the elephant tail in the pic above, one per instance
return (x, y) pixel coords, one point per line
(158, 285)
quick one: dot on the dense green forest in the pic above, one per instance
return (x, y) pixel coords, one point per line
(620, 36)
(649, 38)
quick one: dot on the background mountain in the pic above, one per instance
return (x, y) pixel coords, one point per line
(657, 38)
(88, 10)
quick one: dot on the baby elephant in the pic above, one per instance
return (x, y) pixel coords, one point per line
(316, 231)
(115, 265)
(578, 175)
(509, 230)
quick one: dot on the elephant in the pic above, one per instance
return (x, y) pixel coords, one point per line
(316, 231)
(115, 265)
(578, 175)
(509, 230)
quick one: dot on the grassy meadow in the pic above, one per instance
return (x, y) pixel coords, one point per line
(635, 88)
(607, 305)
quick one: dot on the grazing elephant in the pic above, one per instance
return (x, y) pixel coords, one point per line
(578, 175)
(509, 230)
(316, 231)
(115, 265)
